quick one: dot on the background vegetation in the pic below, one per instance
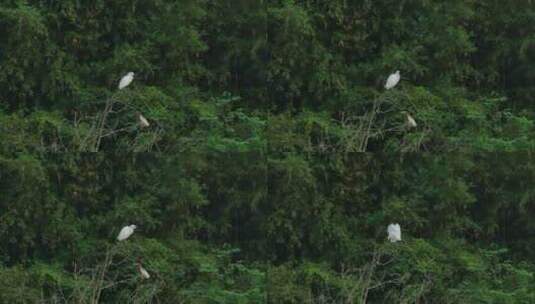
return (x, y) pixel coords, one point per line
(254, 192)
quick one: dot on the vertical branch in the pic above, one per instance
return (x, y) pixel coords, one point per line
(100, 276)
(365, 279)
(376, 259)
(102, 125)
(371, 119)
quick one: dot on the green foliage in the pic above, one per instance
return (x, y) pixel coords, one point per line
(252, 191)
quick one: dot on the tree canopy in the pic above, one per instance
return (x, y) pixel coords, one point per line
(275, 159)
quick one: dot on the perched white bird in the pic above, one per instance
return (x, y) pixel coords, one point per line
(392, 80)
(126, 80)
(394, 233)
(126, 232)
(143, 272)
(143, 122)
(411, 123)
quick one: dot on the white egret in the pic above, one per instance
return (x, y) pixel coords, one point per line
(126, 80)
(126, 232)
(392, 80)
(394, 233)
(411, 123)
(143, 122)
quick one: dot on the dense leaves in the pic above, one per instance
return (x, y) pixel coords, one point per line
(253, 191)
